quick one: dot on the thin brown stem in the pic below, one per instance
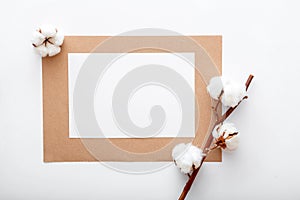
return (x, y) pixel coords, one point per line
(219, 101)
(215, 108)
(212, 148)
(208, 143)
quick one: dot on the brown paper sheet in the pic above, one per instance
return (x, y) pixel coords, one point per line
(58, 147)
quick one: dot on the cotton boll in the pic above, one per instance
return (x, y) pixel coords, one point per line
(37, 38)
(232, 143)
(215, 87)
(187, 157)
(58, 39)
(47, 40)
(53, 49)
(233, 93)
(226, 129)
(185, 163)
(178, 150)
(227, 136)
(42, 50)
(48, 30)
(196, 154)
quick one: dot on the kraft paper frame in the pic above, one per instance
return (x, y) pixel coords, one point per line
(58, 147)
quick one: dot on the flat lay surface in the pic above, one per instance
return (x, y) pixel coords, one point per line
(259, 38)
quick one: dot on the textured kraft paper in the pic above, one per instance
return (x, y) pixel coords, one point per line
(58, 147)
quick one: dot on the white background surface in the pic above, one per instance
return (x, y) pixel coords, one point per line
(259, 37)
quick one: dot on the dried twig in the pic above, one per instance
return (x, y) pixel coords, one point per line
(208, 143)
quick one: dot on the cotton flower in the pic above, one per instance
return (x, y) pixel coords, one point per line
(47, 40)
(215, 87)
(187, 157)
(229, 91)
(227, 136)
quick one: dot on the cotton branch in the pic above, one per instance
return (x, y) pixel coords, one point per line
(208, 143)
